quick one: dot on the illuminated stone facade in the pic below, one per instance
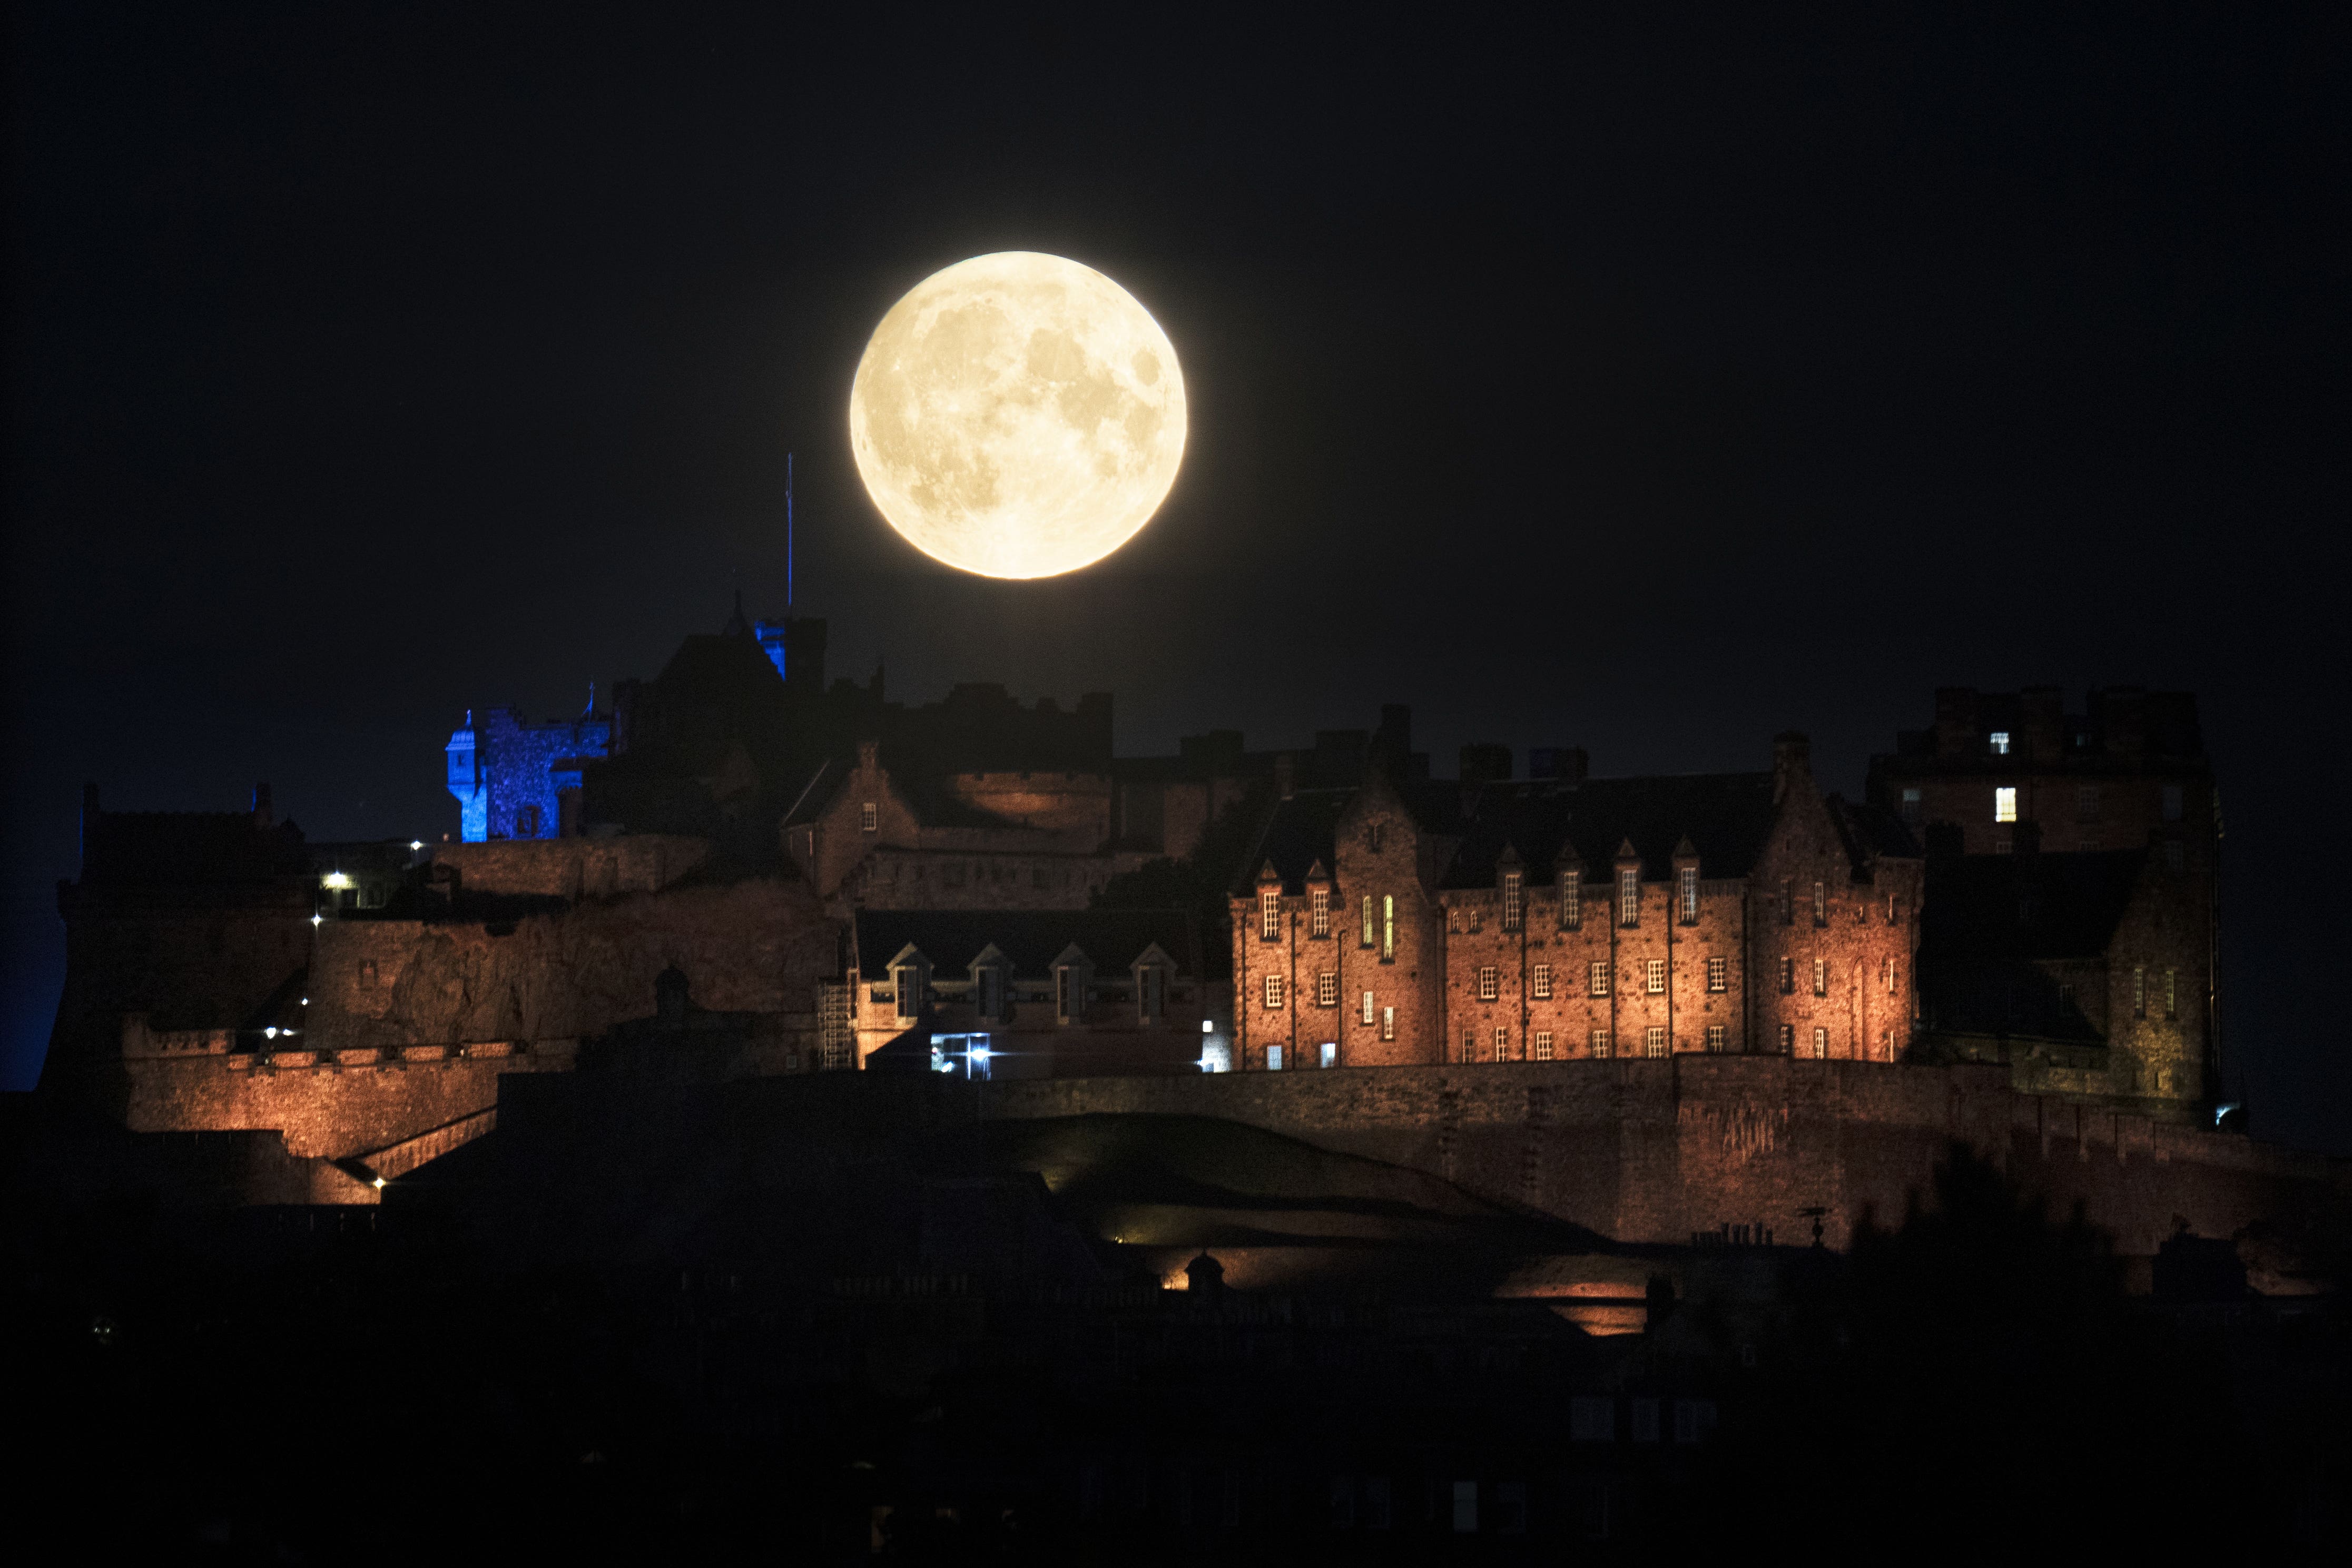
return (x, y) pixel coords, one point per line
(1486, 921)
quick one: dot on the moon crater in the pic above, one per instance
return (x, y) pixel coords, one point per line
(1018, 415)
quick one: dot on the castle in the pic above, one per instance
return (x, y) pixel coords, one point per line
(748, 872)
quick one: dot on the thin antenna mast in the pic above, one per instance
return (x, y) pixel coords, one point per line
(788, 530)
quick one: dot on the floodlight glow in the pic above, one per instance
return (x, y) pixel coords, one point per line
(335, 879)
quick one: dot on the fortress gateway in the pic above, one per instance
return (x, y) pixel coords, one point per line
(1656, 1007)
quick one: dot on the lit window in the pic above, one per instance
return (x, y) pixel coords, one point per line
(1331, 1053)
(1487, 985)
(1629, 896)
(1688, 890)
(1654, 977)
(1821, 904)
(1370, 935)
(1388, 1023)
(1543, 1045)
(1269, 913)
(1599, 1043)
(1542, 981)
(1788, 1038)
(1513, 901)
(1718, 974)
(1571, 901)
(1914, 808)
(2004, 804)
(2171, 995)
(2172, 802)
(1821, 1042)
(869, 818)
(1320, 901)
(1502, 1045)
(1716, 1037)
(1388, 927)
(2139, 991)
(1327, 989)
(1368, 1007)
(1894, 977)
(1600, 977)
(1654, 1042)
(1273, 1058)
(1274, 991)
(1820, 977)
(1999, 740)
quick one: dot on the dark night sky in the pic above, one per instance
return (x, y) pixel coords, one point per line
(1652, 387)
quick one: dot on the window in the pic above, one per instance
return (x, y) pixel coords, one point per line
(1600, 977)
(1716, 1038)
(2172, 802)
(2139, 991)
(1820, 977)
(1273, 1058)
(1688, 890)
(1999, 740)
(1331, 1053)
(2171, 995)
(1821, 904)
(2004, 804)
(1327, 989)
(1718, 974)
(1269, 913)
(1788, 977)
(1469, 1046)
(1320, 901)
(1788, 905)
(1273, 991)
(1473, 917)
(1913, 808)
(1373, 833)
(1654, 1042)
(869, 818)
(1645, 1421)
(1370, 935)
(1368, 1007)
(1571, 900)
(1151, 994)
(1788, 1038)
(2086, 802)
(1821, 1042)
(1487, 985)
(1543, 1045)
(1629, 896)
(1513, 901)
(1388, 1023)
(1601, 1043)
(1388, 927)
(1893, 977)
(1654, 974)
(1542, 980)
(1502, 1045)
(1894, 911)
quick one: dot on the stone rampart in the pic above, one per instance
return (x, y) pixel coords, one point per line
(573, 867)
(1660, 1150)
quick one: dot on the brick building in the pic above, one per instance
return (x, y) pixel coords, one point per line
(1046, 993)
(2074, 925)
(1481, 920)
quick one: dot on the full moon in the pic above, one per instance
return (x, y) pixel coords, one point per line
(1018, 415)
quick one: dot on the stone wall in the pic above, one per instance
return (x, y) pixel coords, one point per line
(1657, 1151)
(573, 867)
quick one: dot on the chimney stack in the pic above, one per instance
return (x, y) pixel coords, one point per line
(1286, 775)
(263, 817)
(1792, 756)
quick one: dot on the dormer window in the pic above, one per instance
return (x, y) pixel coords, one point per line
(1629, 896)
(1319, 908)
(1686, 890)
(990, 994)
(1150, 994)
(1571, 899)
(1513, 901)
(1269, 913)
(1073, 985)
(1999, 741)
(906, 987)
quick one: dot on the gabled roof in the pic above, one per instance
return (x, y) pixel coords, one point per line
(1029, 939)
(1296, 836)
(1725, 816)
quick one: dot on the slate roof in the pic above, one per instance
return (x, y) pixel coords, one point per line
(1031, 939)
(1726, 816)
